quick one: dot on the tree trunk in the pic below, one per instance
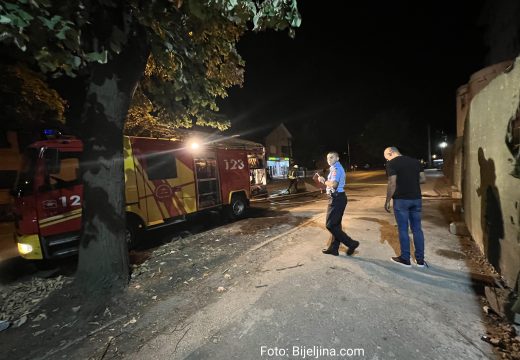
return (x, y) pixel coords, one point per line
(103, 254)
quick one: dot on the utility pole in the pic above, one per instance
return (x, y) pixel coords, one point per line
(429, 148)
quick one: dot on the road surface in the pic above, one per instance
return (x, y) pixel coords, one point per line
(295, 302)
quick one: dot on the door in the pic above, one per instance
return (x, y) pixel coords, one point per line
(206, 175)
(58, 204)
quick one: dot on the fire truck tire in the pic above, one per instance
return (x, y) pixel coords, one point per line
(132, 233)
(238, 207)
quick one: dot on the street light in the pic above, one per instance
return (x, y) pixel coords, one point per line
(434, 156)
(443, 145)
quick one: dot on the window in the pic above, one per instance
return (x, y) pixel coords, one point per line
(206, 168)
(255, 162)
(162, 165)
(67, 173)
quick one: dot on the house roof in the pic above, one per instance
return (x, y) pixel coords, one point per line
(284, 129)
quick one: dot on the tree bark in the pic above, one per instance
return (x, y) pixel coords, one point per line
(103, 254)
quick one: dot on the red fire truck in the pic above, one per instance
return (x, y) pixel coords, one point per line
(165, 180)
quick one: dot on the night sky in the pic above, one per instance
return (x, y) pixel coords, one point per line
(396, 64)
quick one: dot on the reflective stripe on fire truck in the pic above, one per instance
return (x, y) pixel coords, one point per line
(34, 242)
(53, 220)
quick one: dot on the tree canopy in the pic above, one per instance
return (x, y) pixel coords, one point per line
(193, 57)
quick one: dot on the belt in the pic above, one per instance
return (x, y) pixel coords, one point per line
(336, 194)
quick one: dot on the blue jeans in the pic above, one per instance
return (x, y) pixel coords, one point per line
(409, 212)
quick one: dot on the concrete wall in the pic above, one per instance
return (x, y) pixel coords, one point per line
(463, 100)
(491, 194)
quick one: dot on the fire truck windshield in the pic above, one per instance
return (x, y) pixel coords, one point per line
(61, 170)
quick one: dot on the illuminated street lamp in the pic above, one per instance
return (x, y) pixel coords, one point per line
(434, 156)
(443, 145)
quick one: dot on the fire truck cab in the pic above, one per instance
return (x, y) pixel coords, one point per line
(165, 181)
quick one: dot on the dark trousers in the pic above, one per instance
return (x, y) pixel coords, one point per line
(335, 210)
(293, 183)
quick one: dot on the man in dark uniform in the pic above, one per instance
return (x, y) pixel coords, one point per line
(293, 179)
(335, 183)
(405, 175)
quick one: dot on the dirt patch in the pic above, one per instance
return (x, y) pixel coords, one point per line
(252, 226)
(504, 337)
(70, 326)
(450, 254)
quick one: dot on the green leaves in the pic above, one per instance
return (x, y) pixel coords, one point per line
(26, 99)
(100, 57)
(50, 23)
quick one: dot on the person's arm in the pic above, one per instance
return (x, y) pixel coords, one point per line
(422, 178)
(329, 183)
(390, 190)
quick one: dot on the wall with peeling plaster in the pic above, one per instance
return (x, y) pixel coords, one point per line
(490, 184)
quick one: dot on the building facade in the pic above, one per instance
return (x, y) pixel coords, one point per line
(278, 146)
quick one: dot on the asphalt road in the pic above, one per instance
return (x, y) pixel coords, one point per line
(288, 300)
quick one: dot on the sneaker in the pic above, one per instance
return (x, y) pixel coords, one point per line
(353, 248)
(421, 263)
(399, 260)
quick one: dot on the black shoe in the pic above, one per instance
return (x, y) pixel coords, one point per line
(330, 251)
(351, 249)
(421, 263)
(399, 260)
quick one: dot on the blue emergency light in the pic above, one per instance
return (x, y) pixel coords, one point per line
(49, 132)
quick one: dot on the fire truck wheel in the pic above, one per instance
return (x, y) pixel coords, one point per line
(237, 208)
(132, 233)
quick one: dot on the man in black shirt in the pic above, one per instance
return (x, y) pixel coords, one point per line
(404, 176)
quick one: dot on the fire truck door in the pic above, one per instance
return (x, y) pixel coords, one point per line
(60, 197)
(206, 177)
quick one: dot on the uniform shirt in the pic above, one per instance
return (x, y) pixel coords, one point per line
(407, 170)
(336, 173)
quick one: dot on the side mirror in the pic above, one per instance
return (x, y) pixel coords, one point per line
(52, 160)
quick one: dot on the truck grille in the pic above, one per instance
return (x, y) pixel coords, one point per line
(60, 245)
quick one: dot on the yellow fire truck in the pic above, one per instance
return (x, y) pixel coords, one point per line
(165, 180)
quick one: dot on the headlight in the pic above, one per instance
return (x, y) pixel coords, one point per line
(24, 248)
